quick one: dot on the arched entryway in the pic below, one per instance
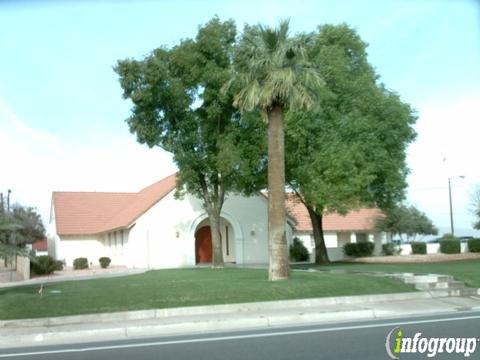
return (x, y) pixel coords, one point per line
(203, 245)
(203, 242)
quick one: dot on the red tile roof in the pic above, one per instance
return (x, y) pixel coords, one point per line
(357, 220)
(87, 213)
(40, 245)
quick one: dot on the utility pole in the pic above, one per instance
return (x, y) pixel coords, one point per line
(2, 209)
(8, 200)
(450, 202)
(451, 211)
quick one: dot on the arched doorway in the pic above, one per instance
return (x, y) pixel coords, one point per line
(230, 233)
(203, 245)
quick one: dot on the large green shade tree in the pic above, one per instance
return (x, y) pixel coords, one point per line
(178, 105)
(351, 151)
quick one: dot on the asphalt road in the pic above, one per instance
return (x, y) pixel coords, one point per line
(354, 340)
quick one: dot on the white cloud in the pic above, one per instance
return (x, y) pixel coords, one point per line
(33, 163)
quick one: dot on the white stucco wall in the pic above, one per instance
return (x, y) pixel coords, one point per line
(69, 247)
(336, 253)
(331, 239)
(164, 237)
(72, 247)
(251, 214)
(343, 238)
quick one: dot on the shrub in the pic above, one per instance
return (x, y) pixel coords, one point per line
(80, 263)
(474, 245)
(43, 265)
(298, 251)
(104, 262)
(449, 245)
(59, 264)
(391, 249)
(419, 248)
(360, 249)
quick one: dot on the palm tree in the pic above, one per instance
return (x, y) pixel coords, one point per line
(272, 74)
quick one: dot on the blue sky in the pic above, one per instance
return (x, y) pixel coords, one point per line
(61, 108)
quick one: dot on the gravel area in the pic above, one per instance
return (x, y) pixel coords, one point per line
(401, 259)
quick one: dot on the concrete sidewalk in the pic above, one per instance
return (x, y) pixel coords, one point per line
(190, 320)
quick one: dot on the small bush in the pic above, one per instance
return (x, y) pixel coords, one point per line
(474, 245)
(391, 249)
(350, 249)
(419, 248)
(450, 245)
(104, 262)
(59, 264)
(80, 263)
(43, 265)
(360, 249)
(298, 251)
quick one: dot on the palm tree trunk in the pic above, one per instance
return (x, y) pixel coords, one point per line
(277, 240)
(217, 252)
(321, 254)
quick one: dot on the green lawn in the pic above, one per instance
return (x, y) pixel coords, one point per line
(467, 271)
(185, 287)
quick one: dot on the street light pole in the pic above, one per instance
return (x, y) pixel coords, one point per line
(451, 211)
(452, 230)
(8, 200)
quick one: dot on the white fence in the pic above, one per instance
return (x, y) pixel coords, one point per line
(336, 253)
(432, 248)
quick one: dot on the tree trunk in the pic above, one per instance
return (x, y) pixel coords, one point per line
(277, 240)
(217, 253)
(321, 255)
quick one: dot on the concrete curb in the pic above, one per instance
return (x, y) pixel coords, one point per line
(216, 309)
(233, 317)
(49, 336)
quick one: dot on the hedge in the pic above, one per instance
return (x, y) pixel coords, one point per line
(474, 245)
(360, 249)
(450, 246)
(419, 248)
(391, 249)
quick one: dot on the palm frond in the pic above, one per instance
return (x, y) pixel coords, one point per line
(276, 70)
(7, 250)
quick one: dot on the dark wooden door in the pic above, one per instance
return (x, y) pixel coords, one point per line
(203, 245)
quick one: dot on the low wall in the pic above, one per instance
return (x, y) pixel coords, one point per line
(23, 267)
(335, 254)
(432, 248)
